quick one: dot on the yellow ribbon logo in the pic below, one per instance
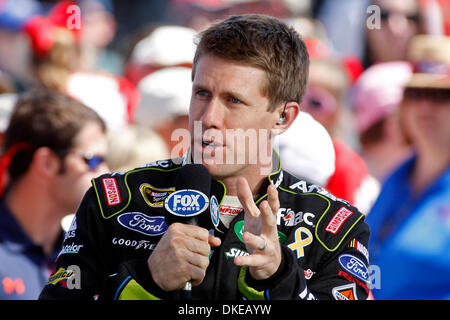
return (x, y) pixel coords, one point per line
(300, 243)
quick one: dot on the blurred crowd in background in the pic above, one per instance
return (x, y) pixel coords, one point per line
(374, 127)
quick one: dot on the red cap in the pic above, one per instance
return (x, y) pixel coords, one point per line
(41, 30)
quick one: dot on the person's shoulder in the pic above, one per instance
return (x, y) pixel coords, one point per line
(11, 233)
(333, 218)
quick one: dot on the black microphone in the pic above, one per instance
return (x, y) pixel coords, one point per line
(190, 202)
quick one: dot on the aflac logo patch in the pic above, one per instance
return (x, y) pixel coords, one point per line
(214, 210)
(186, 203)
(354, 266)
(139, 222)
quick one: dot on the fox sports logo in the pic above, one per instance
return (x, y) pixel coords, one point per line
(186, 203)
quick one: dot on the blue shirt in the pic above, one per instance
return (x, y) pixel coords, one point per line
(24, 268)
(410, 238)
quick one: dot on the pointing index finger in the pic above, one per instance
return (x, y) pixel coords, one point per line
(272, 197)
(245, 196)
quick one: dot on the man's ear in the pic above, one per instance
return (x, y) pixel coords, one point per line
(287, 114)
(45, 162)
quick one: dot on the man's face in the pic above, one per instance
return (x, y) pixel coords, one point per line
(229, 121)
(72, 184)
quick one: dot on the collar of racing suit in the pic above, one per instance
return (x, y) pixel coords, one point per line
(275, 177)
(275, 174)
(219, 190)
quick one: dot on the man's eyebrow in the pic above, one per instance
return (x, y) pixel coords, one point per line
(196, 87)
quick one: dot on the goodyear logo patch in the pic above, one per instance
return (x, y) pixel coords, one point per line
(153, 196)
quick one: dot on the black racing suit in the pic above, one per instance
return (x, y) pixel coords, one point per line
(121, 219)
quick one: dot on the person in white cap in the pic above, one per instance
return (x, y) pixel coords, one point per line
(309, 158)
(164, 106)
(166, 46)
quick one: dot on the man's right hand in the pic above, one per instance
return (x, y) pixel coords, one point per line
(181, 255)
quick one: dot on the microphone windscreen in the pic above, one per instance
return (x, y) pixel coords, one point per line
(191, 196)
(193, 176)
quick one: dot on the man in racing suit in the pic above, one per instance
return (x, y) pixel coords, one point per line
(278, 237)
(119, 224)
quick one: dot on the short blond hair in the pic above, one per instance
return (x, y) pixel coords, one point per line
(264, 42)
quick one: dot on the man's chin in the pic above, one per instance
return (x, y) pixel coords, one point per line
(217, 163)
(220, 171)
(214, 168)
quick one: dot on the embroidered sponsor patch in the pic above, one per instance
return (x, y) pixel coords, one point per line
(186, 203)
(345, 292)
(153, 196)
(136, 244)
(338, 220)
(354, 279)
(111, 191)
(139, 222)
(303, 238)
(235, 252)
(61, 274)
(306, 295)
(290, 218)
(354, 266)
(70, 248)
(308, 274)
(360, 247)
(239, 230)
(214, 211)
(70, 233)
(230, 210)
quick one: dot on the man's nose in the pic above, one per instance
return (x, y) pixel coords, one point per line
(213, 114)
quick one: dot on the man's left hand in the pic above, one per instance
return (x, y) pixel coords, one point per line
(261, 233)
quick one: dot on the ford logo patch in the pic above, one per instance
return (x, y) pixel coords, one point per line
(354, 266)
(186, 203)
(139, 222)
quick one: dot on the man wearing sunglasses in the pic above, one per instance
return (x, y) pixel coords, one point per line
(54, 146)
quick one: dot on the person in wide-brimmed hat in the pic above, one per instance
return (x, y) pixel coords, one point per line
(410, 221)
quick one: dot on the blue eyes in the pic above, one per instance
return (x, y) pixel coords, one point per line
(206, 94)
(234, 100)
(202, 93)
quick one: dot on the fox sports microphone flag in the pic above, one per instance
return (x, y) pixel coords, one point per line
(189, 201)
(191, 196)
